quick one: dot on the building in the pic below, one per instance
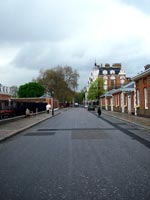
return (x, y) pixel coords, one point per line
(120, 100)
(113, 76)
(5, 92)
(5, 96)
(142, 92)
(10, 106)
(93, 76)
(132, 98)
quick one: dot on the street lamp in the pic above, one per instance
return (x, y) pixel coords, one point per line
(52, 93)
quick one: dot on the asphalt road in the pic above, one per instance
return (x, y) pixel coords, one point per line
(76, 156)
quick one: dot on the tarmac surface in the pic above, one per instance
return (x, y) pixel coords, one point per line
(11, 128)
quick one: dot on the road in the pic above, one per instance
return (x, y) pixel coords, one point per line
(76, 156)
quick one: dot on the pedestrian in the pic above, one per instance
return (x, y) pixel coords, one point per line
(27, 112)
(99, 111)
(48, 107)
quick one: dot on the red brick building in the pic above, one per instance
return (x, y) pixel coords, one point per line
(114, 76)
(120, 100)
(142, 93)
(133, 98)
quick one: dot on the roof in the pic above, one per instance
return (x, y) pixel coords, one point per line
(47, 95)
(141, 75)
(126, 88)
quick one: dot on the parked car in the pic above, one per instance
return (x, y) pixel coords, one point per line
(85, 106)
(91, 107)
(76, 104)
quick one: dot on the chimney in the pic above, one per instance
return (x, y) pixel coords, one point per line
(117, 65)
(107, 65)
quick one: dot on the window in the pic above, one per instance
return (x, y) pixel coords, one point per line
(104, 72)
(138, 97)
(112, 84)
(112, 72)
(145, 98)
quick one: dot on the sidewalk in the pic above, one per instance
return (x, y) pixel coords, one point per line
(11, 128)
(140, 121)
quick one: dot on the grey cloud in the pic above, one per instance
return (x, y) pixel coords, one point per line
(47, 33)
(43, 55)
(36, 20)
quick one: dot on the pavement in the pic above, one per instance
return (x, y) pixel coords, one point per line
(137, 120)
(11, 128)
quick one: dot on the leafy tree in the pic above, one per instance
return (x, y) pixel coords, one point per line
(96, 89)
(31, 89)
(61, 80)
(80, 96)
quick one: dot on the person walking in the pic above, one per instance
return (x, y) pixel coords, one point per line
(99, 111)
(48, 107)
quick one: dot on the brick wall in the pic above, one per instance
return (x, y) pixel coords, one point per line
(5, 96)
(140, 85)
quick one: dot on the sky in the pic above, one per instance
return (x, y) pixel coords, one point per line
(42, 34)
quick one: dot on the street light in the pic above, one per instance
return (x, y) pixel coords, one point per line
(52, 93)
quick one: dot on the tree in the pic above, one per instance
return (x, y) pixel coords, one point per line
(96, 89)
(13, 90)
(61, 80)
(71, 77)
(31, 89)
(80, 96)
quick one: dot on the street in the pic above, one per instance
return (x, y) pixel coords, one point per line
(76, 156)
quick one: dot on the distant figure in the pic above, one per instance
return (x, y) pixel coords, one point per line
(48, 107)
(27, 112)
(99, 111)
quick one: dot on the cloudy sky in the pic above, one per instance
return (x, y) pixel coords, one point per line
(41, 34)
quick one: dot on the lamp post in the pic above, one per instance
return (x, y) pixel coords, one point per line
(52, 93)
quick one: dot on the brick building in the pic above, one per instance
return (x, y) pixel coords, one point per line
(142, 93)
(114, 76)
(132, 98)
(120, 100)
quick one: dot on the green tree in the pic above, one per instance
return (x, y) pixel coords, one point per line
(80, 96)
(31, 89)
(96, 89)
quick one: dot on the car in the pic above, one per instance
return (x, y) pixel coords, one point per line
(91, 107)
(76, 104)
